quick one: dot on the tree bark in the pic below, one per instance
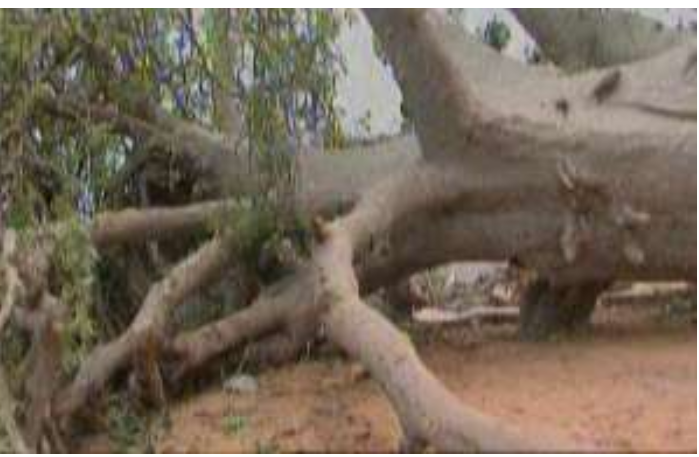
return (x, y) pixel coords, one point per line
(578, 39)
(148, 327)
(577, 202)
(578, 214)
(595, 195)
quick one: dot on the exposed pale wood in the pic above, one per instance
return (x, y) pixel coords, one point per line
(450, 316)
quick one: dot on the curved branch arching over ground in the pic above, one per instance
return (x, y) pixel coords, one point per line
(589, 209)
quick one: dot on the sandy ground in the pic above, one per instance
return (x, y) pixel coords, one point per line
(629, 384)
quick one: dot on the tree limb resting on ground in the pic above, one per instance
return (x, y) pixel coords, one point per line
(149, 325)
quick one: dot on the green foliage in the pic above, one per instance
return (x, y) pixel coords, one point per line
(284, 73)
(5, 446)
(71, 260)
(14, 344)
(280, 64)
(263, 228)
(234, 424)
(73, 264)
(680, 310)
(293, 67)
(497, 34)
(262, 447)
(130, 431)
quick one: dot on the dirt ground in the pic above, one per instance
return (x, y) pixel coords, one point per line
(628, 384)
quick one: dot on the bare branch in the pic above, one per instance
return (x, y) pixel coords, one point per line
(476, 313)
(138, 225)
(8, 245)
(187, 277)
(282, 307)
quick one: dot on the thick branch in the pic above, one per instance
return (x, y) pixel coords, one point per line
(427, 411)
(656, 96)
(329, 183)
(138, 225)
(427, 215)
(578, 39)
(186, 278)
(423, 70)
(44, 368)
(141, 118)
(584, 207)
(285, 306)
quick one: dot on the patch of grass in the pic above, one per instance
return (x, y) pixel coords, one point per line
(131, 431)
(126, 433)
(5, 447)
(679, 310)
(234, 424)
(266, 448)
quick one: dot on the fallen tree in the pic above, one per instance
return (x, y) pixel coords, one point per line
(456, 127)
(581, 178)
(576, 40)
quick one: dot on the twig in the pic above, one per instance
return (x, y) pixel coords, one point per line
(8, 301)
(7, 248)
(447, 316)
(7, 415)
(7, 402)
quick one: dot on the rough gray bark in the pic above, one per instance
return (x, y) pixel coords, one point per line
(328, 180)
(595, 191)
(577, 214)
(429, 414)
(289, 307)
(148, 327)
(577, 39)
(575, 199)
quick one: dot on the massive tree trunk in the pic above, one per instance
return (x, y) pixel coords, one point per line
(577, 40)
(573, 197)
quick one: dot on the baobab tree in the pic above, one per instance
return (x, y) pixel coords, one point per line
(582, 172)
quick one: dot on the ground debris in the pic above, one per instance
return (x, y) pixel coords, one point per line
(241, 384)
